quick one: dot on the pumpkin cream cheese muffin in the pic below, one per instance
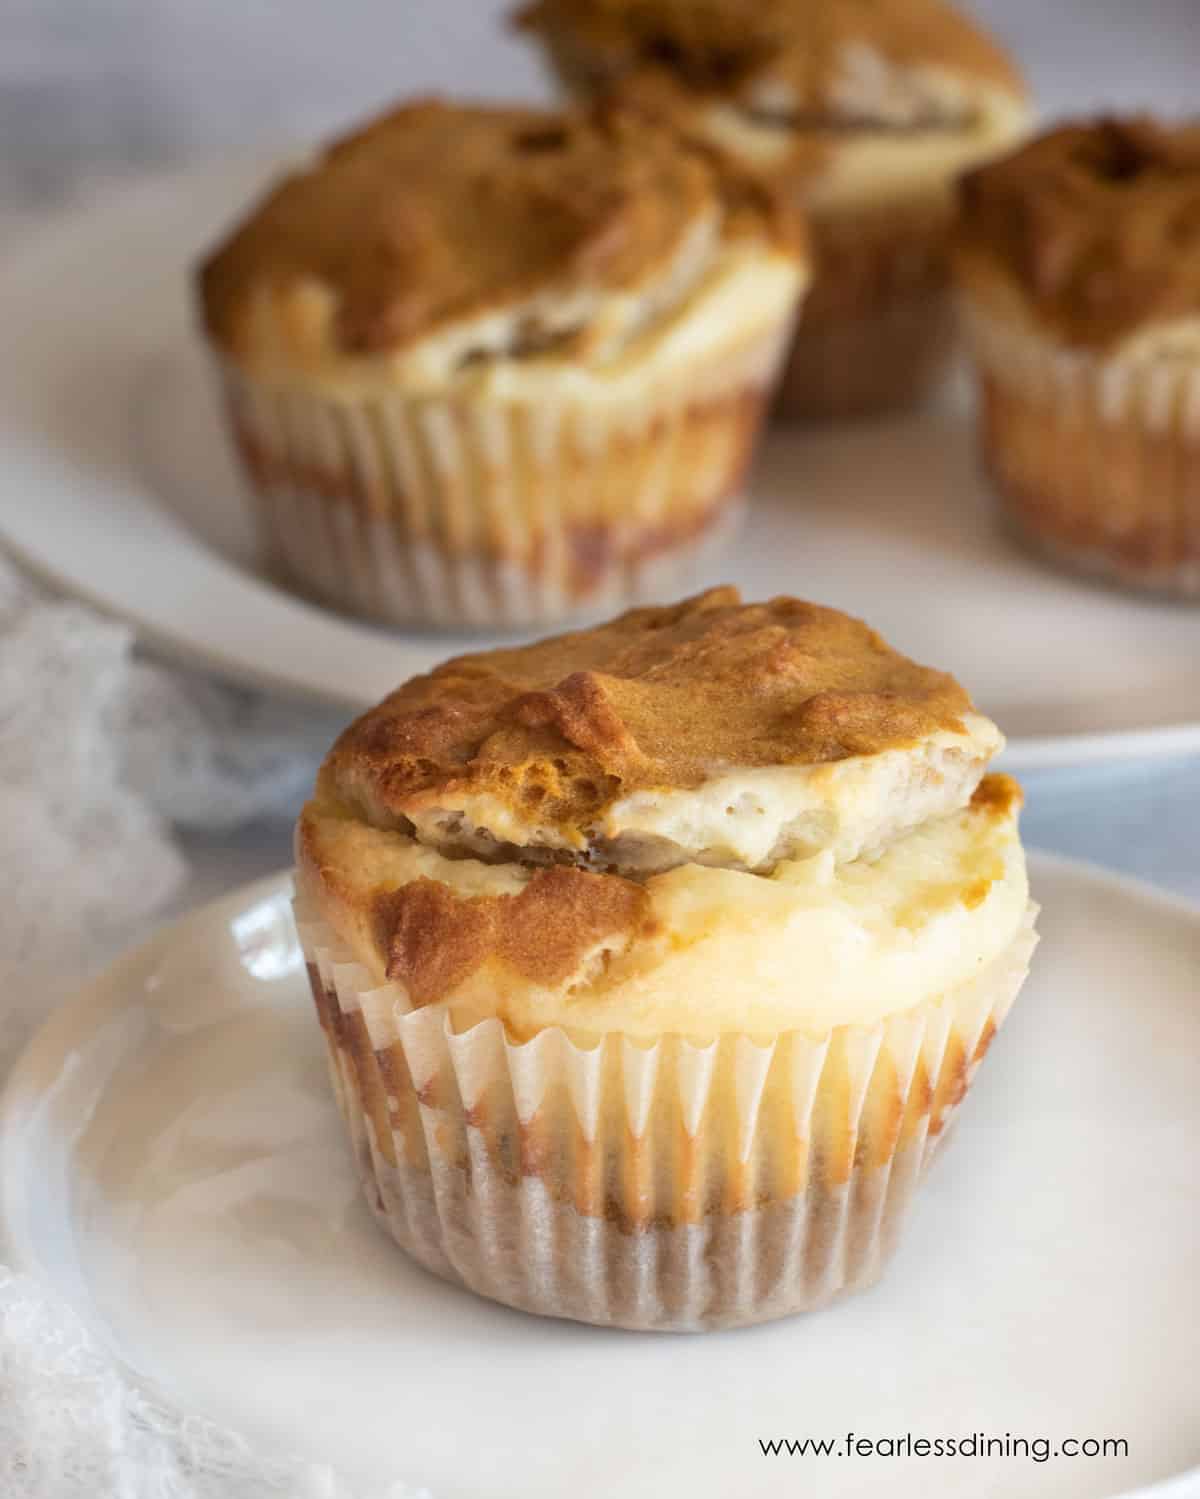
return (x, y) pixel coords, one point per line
(1078, 260)
(864, 110)
(653, 960)
(496, 365)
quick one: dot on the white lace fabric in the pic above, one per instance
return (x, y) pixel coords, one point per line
(72, 1427)
(101, 755)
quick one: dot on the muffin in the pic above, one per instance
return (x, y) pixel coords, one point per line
(653, 960)
(865, 110)
(1078, 261)
(491, 366)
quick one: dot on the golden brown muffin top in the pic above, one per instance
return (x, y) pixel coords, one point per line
(438, 212)
(724, 46)
(659, 698)
(1098, 223)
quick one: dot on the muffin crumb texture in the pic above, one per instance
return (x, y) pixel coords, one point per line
(708, 731)
(662, 698)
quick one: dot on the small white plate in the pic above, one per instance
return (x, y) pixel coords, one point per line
(171, 1159)
(118, 485)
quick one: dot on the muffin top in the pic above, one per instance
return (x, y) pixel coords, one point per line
(790, 84)
(709, 817)
(1097, 225)
(513, 231)
(710, 730)
(806, 47)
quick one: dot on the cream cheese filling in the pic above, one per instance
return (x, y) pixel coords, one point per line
(987, 287)
(715, 295)
(818, 944)
(867, 166)
(814, 945)
(749, 818)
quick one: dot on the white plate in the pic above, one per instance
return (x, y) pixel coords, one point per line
(170, 1157)
(117, 485)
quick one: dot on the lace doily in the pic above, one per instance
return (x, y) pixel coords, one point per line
(100, 754)
(71, 1427)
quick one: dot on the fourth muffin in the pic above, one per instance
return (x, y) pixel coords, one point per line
(1078, 262)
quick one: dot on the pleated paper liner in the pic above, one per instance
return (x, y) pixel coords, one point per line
(471, 510)
(879, 323)
(675, 1186)
(1096, 460)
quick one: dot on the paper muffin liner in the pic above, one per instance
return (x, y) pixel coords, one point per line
(1096, 460)
(672, 1186)
(468, 510)
(879, 323)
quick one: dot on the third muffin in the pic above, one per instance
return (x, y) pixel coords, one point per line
(1079, 264)
(491, 365)
(865, 109)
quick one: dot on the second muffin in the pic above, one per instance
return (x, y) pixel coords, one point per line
(653, 960)
(493, 366)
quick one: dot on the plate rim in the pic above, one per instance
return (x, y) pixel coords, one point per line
(81, 1012)
(277, 612)
(1021, 754)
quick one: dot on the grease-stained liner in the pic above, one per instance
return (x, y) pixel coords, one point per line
(467, 509)
(879, 323)
(675, 1186)
(1096, 460)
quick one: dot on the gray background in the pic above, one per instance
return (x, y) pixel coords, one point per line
(114, 83)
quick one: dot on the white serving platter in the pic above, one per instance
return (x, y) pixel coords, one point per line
(171, 1160)
(116, 484)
